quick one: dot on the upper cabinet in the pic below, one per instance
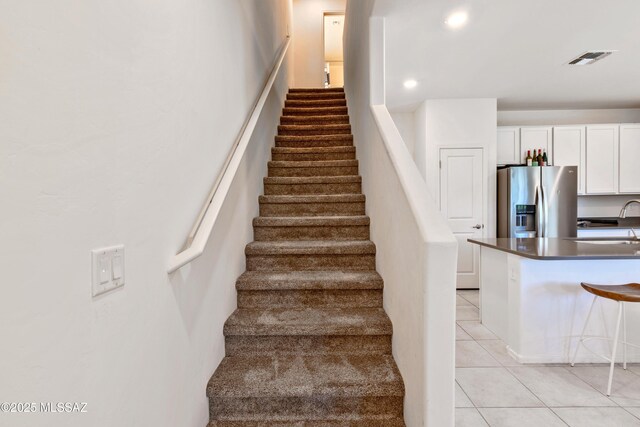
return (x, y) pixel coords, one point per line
(629, 171)
(569, 150)
(535, 138)
(602, 159)
(508, 150)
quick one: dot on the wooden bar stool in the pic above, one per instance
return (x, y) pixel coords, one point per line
(620, 293)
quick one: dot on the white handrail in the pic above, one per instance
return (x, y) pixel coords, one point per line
(201, 231)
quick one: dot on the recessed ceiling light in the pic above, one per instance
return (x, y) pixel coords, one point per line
(410, 84)
(457, 19)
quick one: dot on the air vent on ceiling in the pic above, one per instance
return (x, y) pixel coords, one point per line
(591, 57)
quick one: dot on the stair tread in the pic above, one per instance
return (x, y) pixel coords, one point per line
(311, 163)
(308, 321)
(306, 376)
(311, 247)
(314, 150)
(339, 137)
(310, 221)
(311, 179)
(326, 126)
(313, 198)
(367, 421)
(309, 280)
(323, 117)
(315, 89)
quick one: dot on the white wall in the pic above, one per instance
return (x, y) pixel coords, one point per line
(606, 206)
(461, 123)
(567, 117)
(406, 124)
(116, 118)
(308, 44)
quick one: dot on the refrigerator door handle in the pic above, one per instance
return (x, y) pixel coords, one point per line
(539, 213)
(545, 212)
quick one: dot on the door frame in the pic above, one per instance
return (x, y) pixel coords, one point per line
(326, 13)
(485, 189)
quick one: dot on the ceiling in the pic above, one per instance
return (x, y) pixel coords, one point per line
(513, 50)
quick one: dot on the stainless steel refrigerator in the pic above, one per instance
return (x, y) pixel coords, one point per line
(538, 201)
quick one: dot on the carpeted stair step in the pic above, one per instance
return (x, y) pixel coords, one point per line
(306, 321)
(269, 228)
(312, 205)
(317, 111)
(315, 89)
(313, 168)
(312, 153)
(303, 130)
(314, 120)
(313, 96)
(312, 185)
(314, 103)
(356, 422)
(314, 141)
(299, 289)
(311, 255)
(306, 388)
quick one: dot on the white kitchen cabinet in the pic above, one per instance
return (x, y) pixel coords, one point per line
(602, 159)
(536, 138)
(508, 150)
(569, 150)
(629, 172)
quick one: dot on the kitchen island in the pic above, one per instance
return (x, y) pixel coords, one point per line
(530, 294)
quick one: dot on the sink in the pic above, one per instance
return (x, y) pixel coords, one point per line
(608, 241)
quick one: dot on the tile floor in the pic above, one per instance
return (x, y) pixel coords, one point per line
(494, 390)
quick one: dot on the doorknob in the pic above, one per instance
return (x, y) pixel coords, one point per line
(478, 226)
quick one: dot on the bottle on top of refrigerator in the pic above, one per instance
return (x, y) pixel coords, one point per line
(545, 160)
(539, 158)
(529, 159)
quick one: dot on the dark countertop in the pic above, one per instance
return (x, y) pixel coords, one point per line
(563, 249)
(592, 223)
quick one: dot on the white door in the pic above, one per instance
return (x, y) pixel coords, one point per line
(461, 204)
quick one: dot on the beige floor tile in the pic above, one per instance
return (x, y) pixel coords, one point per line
(625, 390)
(521, 417)
(467, 313)
(477, 330)
(470, 354)
(495, 387)
(635, 411)
(473, 296)
(469, 417)
(462, 335)
(462, 401)
(596, 417)
(556, 386)
(498, 350)
(461, 301)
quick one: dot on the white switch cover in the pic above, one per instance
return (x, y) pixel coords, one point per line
(107, 269)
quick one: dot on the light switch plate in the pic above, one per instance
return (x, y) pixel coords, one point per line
(107, 269)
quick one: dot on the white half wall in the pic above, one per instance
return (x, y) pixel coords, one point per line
(116, 118)
(416, 251)
(406, 124)
(462, 123)
(308, 43)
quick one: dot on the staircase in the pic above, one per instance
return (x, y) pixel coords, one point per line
(310, 344)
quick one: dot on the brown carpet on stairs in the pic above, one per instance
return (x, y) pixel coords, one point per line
(310, 344)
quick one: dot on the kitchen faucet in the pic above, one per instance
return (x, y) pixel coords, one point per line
(623, 212)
